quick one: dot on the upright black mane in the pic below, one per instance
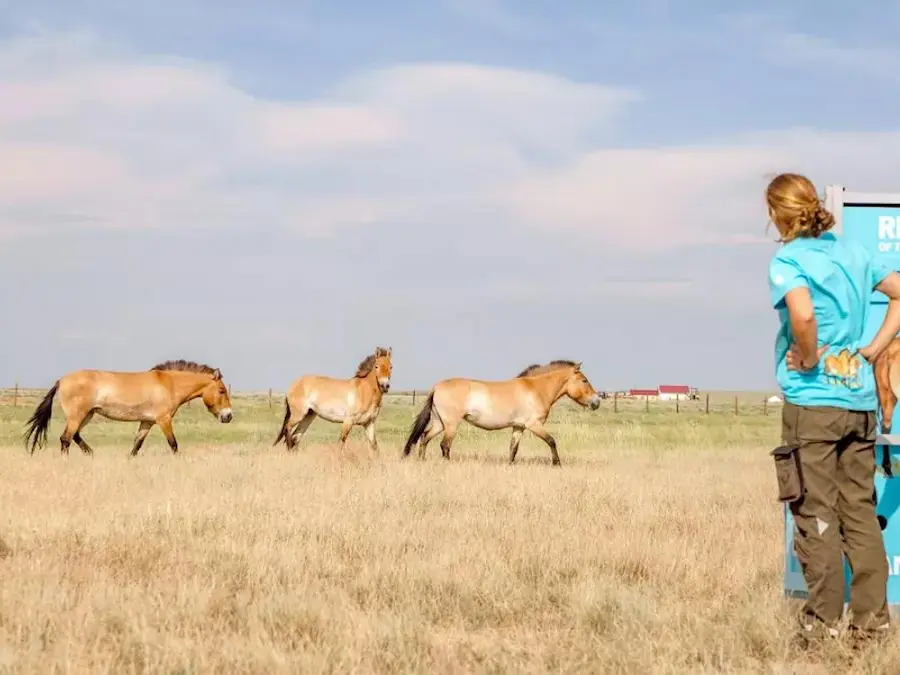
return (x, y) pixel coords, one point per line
(365, 366)
(186, 367)
(536, 368)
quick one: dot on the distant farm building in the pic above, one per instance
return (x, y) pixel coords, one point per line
(666, 392)
(672, 392)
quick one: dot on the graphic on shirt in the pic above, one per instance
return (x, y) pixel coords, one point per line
(843, 369)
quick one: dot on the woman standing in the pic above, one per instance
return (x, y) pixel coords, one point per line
(821, 287)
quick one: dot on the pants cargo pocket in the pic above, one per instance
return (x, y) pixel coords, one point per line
(787, 472)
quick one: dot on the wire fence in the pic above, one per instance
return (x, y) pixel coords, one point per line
(707, 403)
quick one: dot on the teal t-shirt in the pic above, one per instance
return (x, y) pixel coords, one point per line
(840, 276)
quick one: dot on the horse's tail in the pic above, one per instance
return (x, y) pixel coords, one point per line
(39, 422)
(887, 399)
(287, 415)
(420, 425)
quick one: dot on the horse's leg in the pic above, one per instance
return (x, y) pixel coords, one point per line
(295, 430)
(447, 440)
(85, 448)
(65, 439)
(538, 430)
(370, 435)
(887, 411)
(346, 427)
(886, 397)
(514, 443)
(73, 424)
(165, 423)
(887, 400)
(139, 437)
(432, 431)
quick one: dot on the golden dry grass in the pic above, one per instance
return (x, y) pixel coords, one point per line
(642, 554)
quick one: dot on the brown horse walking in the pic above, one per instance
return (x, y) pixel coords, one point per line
(887, 384)
(523, 402)
(348, 402)
(149, 397)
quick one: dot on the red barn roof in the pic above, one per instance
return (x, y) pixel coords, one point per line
(674, 389)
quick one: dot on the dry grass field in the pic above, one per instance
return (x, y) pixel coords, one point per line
(656, 548)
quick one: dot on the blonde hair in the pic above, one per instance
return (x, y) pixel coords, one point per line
(795, 208)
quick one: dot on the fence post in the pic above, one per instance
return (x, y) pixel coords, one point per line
(677, 402)
(647, 403)
(765, 405)
(707, 403)
(615, 401)
(735, 405)
(16, 396)
(414, 397)
(270, 398)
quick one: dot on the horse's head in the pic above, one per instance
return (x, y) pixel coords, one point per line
(580, 390)
(216, 398)
(382, 368)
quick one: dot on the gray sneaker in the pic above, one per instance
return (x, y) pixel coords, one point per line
(863, 637)
(812, 632)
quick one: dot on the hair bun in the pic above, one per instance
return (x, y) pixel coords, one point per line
(823, 220)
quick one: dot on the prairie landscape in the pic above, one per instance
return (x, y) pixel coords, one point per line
(655, 548)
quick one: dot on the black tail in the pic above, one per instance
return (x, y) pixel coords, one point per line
(39, 422)
(287, 415)
(419, 426)
(886, 461)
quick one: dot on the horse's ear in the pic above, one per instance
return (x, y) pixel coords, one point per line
(578, 366)
(217, 375)
(389, 350)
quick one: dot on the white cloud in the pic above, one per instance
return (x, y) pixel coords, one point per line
(647, 198)
(660, 198)
(151, 142)
(288, 129)
(94, 137)
(32, 171)
(489, 105)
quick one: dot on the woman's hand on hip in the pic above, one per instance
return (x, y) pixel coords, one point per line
(795, 360)
(869, 352)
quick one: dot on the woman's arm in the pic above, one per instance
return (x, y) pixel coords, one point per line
(890, 286)
(805, 352)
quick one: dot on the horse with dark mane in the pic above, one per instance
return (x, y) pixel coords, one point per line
(886, 369)
(148, 397)
(348, 402)
(523, 402)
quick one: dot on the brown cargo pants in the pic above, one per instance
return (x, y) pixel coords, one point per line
(837, 510)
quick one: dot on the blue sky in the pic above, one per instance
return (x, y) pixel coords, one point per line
(277, 187)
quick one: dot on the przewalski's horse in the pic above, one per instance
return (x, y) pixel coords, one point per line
(523, 402)
(350, 402)
(887, 384)
(149, 397)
